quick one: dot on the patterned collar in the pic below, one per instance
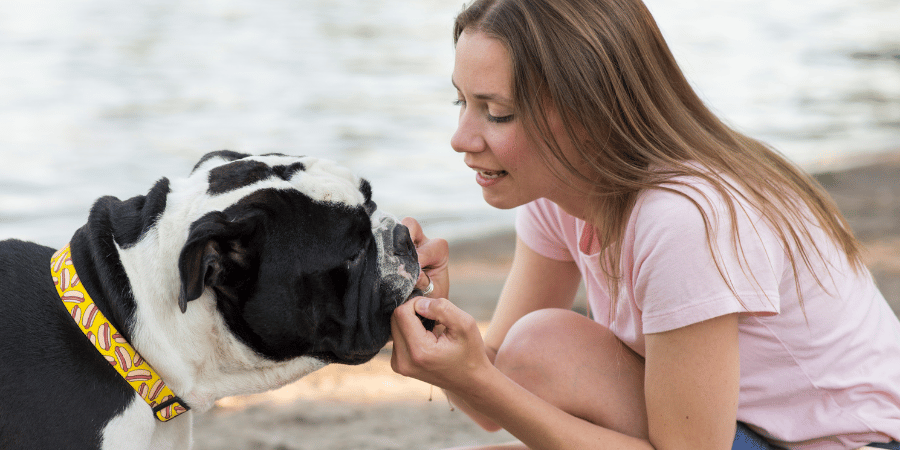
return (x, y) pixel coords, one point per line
(117, 351)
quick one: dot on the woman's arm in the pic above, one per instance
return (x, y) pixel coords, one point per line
(534, 282)
(691, 389)
(692, 371)
(691, 383)
(692, 379)
(455, 361)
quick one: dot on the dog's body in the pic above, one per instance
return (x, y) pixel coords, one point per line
(243, 277)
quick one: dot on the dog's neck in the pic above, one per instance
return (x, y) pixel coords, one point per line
(107, 340)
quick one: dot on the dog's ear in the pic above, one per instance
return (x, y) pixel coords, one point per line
(216, 246)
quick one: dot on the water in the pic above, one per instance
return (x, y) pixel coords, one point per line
(103, 98)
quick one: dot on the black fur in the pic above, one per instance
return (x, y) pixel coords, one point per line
(112, 222)
(243, 252)
(227, 155)
(241, 173)
(53, 359)
(55, 388)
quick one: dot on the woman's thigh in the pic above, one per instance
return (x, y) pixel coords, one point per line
(579, 366)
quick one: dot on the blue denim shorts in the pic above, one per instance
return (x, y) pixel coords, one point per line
(747, 439)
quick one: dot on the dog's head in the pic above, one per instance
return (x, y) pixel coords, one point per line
(300, 260)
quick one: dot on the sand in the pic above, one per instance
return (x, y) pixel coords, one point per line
(371, 407)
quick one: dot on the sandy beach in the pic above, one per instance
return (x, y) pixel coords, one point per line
(370, 407)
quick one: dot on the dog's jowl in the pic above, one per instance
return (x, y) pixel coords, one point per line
(242, 277)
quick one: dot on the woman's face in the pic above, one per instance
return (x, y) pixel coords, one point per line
(507, 162)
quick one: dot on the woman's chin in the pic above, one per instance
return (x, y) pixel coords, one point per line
(503, 201)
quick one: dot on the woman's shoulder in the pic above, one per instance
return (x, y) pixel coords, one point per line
(701, 192)
(693, 208)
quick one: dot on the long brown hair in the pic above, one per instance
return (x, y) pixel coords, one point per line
(629, 111)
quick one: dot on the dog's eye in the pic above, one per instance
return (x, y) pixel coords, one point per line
(352, 261)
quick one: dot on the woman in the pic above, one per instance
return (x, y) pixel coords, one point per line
(726, 290)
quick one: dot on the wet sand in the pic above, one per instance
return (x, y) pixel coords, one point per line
(370, 407)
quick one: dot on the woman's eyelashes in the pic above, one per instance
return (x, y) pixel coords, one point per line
(491, 118)
(503, 119)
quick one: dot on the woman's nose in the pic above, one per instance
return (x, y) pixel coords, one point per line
(467, 138)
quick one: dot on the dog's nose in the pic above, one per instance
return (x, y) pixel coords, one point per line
(403, 244)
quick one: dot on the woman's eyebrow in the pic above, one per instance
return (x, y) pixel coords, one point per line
(496, 98)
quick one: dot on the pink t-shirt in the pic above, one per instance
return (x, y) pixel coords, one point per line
(834, 371)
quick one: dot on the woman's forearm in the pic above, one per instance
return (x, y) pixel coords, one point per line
(536, 423)
(457, 401)
(482, 420)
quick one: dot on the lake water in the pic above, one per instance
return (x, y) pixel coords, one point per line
(102, 97)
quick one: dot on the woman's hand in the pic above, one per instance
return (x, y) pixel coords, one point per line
(434, 258)
(452, 359)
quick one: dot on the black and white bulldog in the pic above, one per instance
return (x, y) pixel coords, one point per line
(247, 275)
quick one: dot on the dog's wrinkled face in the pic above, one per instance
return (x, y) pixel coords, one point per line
(300, 261)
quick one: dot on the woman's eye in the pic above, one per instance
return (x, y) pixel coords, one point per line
(503, 119)
(490, 118)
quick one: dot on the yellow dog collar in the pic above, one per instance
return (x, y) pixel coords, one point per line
(117, 351)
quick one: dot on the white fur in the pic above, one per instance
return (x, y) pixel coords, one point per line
(134, 429)
(194, 352)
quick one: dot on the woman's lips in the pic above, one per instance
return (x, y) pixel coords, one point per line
(487, 178)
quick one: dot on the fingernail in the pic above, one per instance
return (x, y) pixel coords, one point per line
(423, 303)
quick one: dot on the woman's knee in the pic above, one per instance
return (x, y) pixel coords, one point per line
(577, 365)
(548, 344)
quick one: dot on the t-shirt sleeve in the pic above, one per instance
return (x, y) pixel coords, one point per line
(540, 226)
(675, 278)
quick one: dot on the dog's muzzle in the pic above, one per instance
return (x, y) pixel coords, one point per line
(397, 258)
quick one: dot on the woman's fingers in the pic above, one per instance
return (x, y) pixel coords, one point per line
(398, 335)
(424, 283)
(443, 311)
(434, 259)
(443, 359)
(405, 323)
(433, 253)
(415, 230)
(410, 338)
